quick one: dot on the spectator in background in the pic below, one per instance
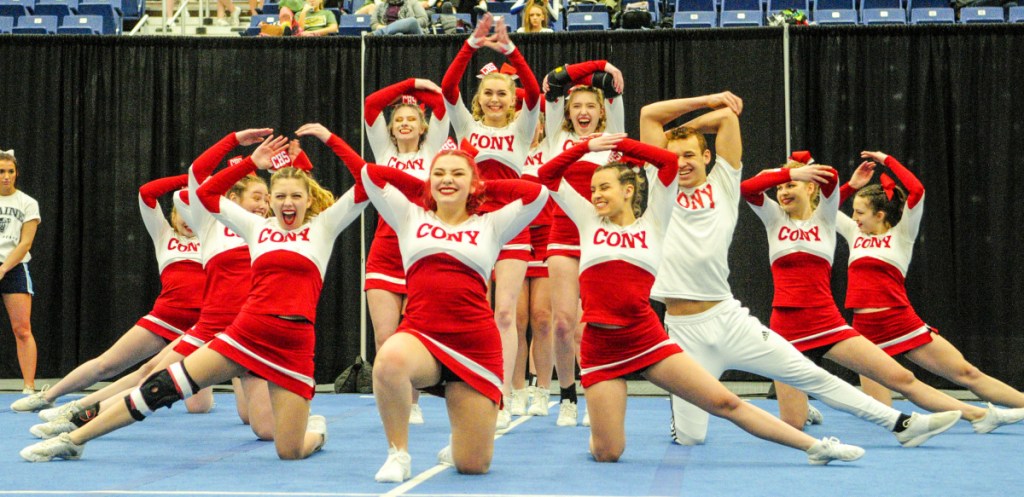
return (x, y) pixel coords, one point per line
(317, 21)
(399, 17)
(552, 8)
(535, 19)
(19, 218)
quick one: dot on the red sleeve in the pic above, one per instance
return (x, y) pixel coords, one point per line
(302, 161)
(352, 160)
(380, 99)
(506, 191)
(845, 192)
(915, 190)
(160, 187)
(550, 174)
(209, 192)
(409, 185)
(526, 77)
(829, 188)
(450, 83)
(584, 70)
(183, 195)
(753, 188)
(666, 162)
(431, 99)
(203, 166)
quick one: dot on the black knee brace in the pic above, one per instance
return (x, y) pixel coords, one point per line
(605, 82)
(559, 83)
(160, 390)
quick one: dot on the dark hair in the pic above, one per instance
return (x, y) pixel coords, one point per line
(876, 199)
(627, 176)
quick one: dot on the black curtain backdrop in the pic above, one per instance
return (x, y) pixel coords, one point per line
(93, 118)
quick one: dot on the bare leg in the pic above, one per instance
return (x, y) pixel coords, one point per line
(259, 406)
(508, 282)
(291, 412)
(133, 379)
(876, 390)
(792, 405)
(607, 419)
(241, 403)
(522, 350)
(565, 291)
(19, 309)
(472, 416)
(385, 315)
(540, 323)
(402, 364)
(942, 358)
(135, 345)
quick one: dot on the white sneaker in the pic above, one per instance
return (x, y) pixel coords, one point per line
(503, 421)
(28, 391)
(235, 14)
(60, 447)
(32, 403)
(814, 416)
(586, 416)
(920, 427)
(567, 412)
(830, 449)
(444, 456)
(53, 428)
(994, 418)
(416, 415)
(517, 406)
(396, 469)
(539, 402)
(318, 424)
(220, 21)
(67, 410)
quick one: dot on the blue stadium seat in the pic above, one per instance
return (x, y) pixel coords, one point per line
(933, 4)
(970, 15)
(744, 5)
(353, 25)
(932, 15)
(835, 5)
(36, 25)
(109, 9)
(695, 19)
(133, 9)
(835, 16)
(695, 5)
(1016, 14)
(881, 4)
(741, 18)
(16, 8)
(254, 23)
(511, 21)
(583, 21)
(6, 24)
(59, 8)
(590, 7)
(883, 16)
(499, 7)
(271, 8)
(81, 25)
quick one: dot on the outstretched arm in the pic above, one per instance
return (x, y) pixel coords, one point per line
(352, 160)
(859, 179)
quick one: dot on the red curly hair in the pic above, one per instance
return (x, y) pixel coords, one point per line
(476, 196)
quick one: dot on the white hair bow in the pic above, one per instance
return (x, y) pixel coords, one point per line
(8, 152)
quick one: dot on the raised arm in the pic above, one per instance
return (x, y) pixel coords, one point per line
(352, 160)
(654, 117)
(551, 173)
(152, 216)
(666, 162)
(915, 189)
(860, 178)
(379, 100)
(204, 165)
(457, 69)
(725, 125)
(753, 188)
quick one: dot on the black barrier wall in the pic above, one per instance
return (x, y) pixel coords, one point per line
(92, 119)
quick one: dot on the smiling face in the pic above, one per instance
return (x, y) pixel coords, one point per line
(451, 181)
(495, 101)
(869, 220)
(407, 124)
(289, 200)
(693, 162)
(585, 111)
(179, 225)
(795, 197)
(251, 195)
(611, 198)
(8, 177)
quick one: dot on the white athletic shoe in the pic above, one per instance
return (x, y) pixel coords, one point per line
(814, 416)
(32, 403)
(318, 424)
(53, 428)
(396, 469)
(60, 447)
(235, 14)
(517, 406)
(996, 417)
(539, 402)
(920, 427)
(503, 421)
(444, 456)
(416, 415)
(65, 411)
(830, 449)
(28, 391)
(567, 412)
(586, 416)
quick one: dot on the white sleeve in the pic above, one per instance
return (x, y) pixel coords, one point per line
(575, 206)
(846, 227)
(31, 210)
(339, 215)
(390, 203)
(526, 123)
(153, 218)
(769, 211)
(554, 113)
(237, 219)
(827, 208)
(910, 222)
(516, 216)
(437, 134)
(379, 137)
(202, 221)
(661, 202)
(184, 210)
(616, 111)
(461, 118)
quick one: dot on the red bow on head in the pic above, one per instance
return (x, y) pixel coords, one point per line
(888, 185)
(282, 160)
(505, 69)
(411, 100)
(802, 156)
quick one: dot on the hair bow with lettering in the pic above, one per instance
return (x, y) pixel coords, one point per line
(282, 160)
(490, 67)
(411, 100)
(888, 185)
(802, 156)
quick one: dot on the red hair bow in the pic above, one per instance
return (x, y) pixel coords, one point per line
(491, 67)
(411, 100)
(888, 185)
(802, 156)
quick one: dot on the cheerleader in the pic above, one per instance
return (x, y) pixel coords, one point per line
(801, 238)
(621, 247)
(448, 340)
(176, 308)
(581, 115)
(273, 334)
(407, 143)
(881, 235)
(502, 138)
